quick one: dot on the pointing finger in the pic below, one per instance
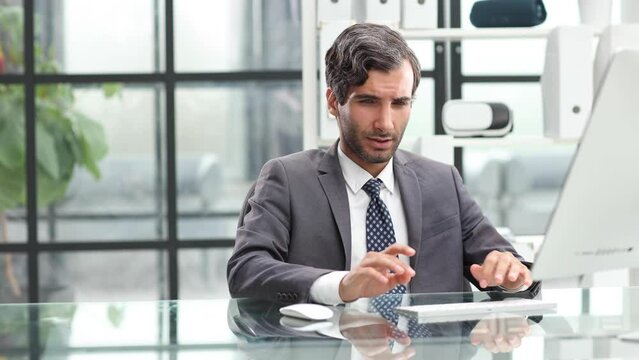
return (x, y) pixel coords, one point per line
(478, 274)
(399, 249)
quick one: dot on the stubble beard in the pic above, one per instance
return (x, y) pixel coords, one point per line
(355, 144)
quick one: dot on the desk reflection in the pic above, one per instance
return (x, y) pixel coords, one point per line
(585, 326)
(499, 334)
(368, 334)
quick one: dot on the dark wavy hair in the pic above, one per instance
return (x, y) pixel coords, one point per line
(360, 48)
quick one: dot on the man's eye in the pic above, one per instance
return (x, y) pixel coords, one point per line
(401, 103)
(367, 101)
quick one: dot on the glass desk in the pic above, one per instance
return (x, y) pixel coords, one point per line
(587, 324)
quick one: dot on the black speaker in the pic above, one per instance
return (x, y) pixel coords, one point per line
(508, 13)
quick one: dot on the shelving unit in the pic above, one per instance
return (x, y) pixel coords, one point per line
(312, 137)
(449, 48)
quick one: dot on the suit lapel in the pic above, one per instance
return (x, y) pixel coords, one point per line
(332, 180)
(412, 202)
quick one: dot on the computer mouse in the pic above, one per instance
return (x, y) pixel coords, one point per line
(298, 324)
(313, 312)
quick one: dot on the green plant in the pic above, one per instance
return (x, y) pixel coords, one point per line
(65, 138)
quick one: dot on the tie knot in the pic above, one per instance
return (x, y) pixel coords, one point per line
(372, 187)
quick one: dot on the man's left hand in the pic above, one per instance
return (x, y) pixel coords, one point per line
(503, 269)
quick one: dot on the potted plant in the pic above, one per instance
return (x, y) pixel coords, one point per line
(65, 138)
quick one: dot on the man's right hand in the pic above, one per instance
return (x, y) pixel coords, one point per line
(371, 334)
(377, 273)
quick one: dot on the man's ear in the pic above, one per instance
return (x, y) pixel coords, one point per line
(331, 100)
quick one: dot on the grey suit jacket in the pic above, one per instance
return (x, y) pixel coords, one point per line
(297, 227)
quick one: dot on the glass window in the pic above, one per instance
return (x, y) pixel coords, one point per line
(225, 133)
(237, 35)
(13, 287)
(100, 175)
(11, 37)
(13, 180)
(203, 273)
(102, 276)
(117, 36)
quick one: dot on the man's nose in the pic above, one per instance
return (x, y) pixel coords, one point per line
(385, 118)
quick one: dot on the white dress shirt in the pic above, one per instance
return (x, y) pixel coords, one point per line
(325, 289)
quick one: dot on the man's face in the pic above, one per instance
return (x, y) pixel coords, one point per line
(373, 118)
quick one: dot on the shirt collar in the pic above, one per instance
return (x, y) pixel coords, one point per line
(356, 177)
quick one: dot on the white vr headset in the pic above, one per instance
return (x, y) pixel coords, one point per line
(468, 118)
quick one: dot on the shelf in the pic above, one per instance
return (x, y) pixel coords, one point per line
(512, 141)
(484, 33)
(477, 33)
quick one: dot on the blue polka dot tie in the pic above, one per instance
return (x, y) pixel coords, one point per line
(380, 235)
(379, 227)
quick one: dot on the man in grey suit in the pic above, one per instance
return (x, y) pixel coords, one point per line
(306, 234)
